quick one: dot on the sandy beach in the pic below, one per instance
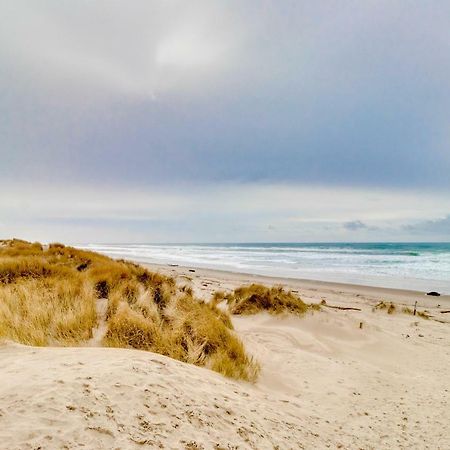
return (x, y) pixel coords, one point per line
(224, 225)
(325, 382)
(206, 281)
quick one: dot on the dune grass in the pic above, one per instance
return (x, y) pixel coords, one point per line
(47, 312)
(389, 307)
(256, 298)
(48, 296)
(392, 308)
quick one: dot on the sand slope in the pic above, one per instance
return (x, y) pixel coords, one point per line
(53, 398)
(373, 388)
(325, 383)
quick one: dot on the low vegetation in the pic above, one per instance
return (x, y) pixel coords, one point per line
(256, 298)
(391, 308)
(48, 296)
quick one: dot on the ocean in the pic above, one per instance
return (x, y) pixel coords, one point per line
(416, 266)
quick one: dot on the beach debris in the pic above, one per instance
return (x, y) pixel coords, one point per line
(434, 294)
(342, 308)
(360, 325)
(191, 270)
(447, 311)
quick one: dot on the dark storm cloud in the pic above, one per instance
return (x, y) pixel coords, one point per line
(224, 121)
(342, 93)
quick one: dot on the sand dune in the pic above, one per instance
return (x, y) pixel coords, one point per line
(325, 383)
(53, 398)
(370, 388)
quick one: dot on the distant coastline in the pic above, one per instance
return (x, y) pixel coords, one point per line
(413, 266)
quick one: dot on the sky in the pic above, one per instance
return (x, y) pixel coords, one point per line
(225, 121)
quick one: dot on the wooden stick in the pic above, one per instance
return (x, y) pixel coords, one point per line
(343, 308)
(445, 312)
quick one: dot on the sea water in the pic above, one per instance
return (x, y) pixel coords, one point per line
(417, 266)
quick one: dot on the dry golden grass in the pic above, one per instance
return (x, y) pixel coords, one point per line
(48, 297)
(183, 328)
(42, 302)
(391, 308)
(388, 306)
(256, 298)
(37, 312)
(423, 314)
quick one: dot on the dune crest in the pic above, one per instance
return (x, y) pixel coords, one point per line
(100, 398)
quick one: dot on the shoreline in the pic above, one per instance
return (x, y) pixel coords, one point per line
(345, 375)
(206, 281)
(408, 266)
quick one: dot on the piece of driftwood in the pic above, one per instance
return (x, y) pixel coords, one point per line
(445, 312)
(343, 308)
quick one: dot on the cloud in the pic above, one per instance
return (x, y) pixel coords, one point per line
(166, 92)
(230, 212)
(302, 116)
(434, 227)
(355, 225)
(112, 48)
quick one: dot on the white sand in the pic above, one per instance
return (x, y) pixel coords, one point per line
(325, 383)
(109, 398)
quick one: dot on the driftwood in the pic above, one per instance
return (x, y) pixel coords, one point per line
(445, 312)
(343, 308)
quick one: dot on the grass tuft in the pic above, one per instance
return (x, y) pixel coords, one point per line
(388, 306)
(256, 298)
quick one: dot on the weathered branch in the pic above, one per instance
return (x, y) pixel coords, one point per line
(343, 308)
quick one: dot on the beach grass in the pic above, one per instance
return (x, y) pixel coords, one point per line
(389, 307)
(256, 298)
(392, 308)
(48, 296)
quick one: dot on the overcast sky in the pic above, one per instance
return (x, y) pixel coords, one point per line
(208, 121)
